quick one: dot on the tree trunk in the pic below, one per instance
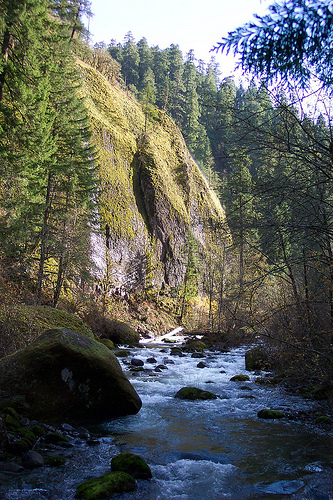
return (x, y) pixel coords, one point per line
(44, 241)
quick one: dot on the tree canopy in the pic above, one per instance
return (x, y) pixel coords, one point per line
(293, 42)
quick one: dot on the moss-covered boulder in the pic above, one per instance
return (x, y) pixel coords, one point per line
(193, 393)
(108, 343)
(270, 414)
(257, 359)
(132, 464)
(106, 486)
(119, 332)
(194, 345)
(64, 375)
(240, 378)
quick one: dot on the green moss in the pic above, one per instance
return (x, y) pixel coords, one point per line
(11, 423)
(122, 353)
(56, 461)
(323, 419)
(132, 464)
(270, 414)
(55, 438)
(193, 393)
(29, 436)
(106, 486)
(240, 378)
(37, 430)
(195, 345)
(108, 343)
(143, 172)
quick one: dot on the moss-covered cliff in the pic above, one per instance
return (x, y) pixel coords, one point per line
(153, 198)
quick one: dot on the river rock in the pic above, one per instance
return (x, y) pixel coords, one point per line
(64, 375)
(201, 364)
(132, 464)
(270, 414)
(32, 460)
(137, 362)
(106, 486)
(193, 393)
(240, 378)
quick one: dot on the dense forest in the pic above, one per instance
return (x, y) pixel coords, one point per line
(265, 150)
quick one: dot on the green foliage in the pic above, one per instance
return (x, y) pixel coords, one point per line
(20, 325)
(49, 178)
(291, 42)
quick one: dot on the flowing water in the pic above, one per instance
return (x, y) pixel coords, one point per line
(197, 450)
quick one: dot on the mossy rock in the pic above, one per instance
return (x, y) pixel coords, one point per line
(176, 351)
(122, 353)
(323, 419)
(108, 343)
(193, 393)
(119, 333)
(64, 375)
(56, 461)
(12, 423)
(132, 464)
(240, 378)
(37, 430)
(29, 436)
(106, 486)
(257, 359)
(55, 438)
(23, 324)
(194, 345)
(270, 414)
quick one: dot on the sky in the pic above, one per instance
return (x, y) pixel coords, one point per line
(192, 24)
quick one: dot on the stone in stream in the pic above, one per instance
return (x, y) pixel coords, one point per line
(137, 362)
(201, 364)
(270, 414)
(32, 460)
(63, 375)
(132, 464)
(151, 361)
(193, 393)
(240, 378)
(106, 486)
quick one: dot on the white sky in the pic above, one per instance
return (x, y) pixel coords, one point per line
(192, 24)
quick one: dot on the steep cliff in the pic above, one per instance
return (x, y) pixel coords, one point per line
(155, 205)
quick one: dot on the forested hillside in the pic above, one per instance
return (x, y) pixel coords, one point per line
(89, 144)
(270, 163)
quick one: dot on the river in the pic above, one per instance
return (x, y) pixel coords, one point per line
(197, 450)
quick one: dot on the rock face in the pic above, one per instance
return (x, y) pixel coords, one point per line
(155, 205)
(64, 375)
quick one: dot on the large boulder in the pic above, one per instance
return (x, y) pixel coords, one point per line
(65, 375)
